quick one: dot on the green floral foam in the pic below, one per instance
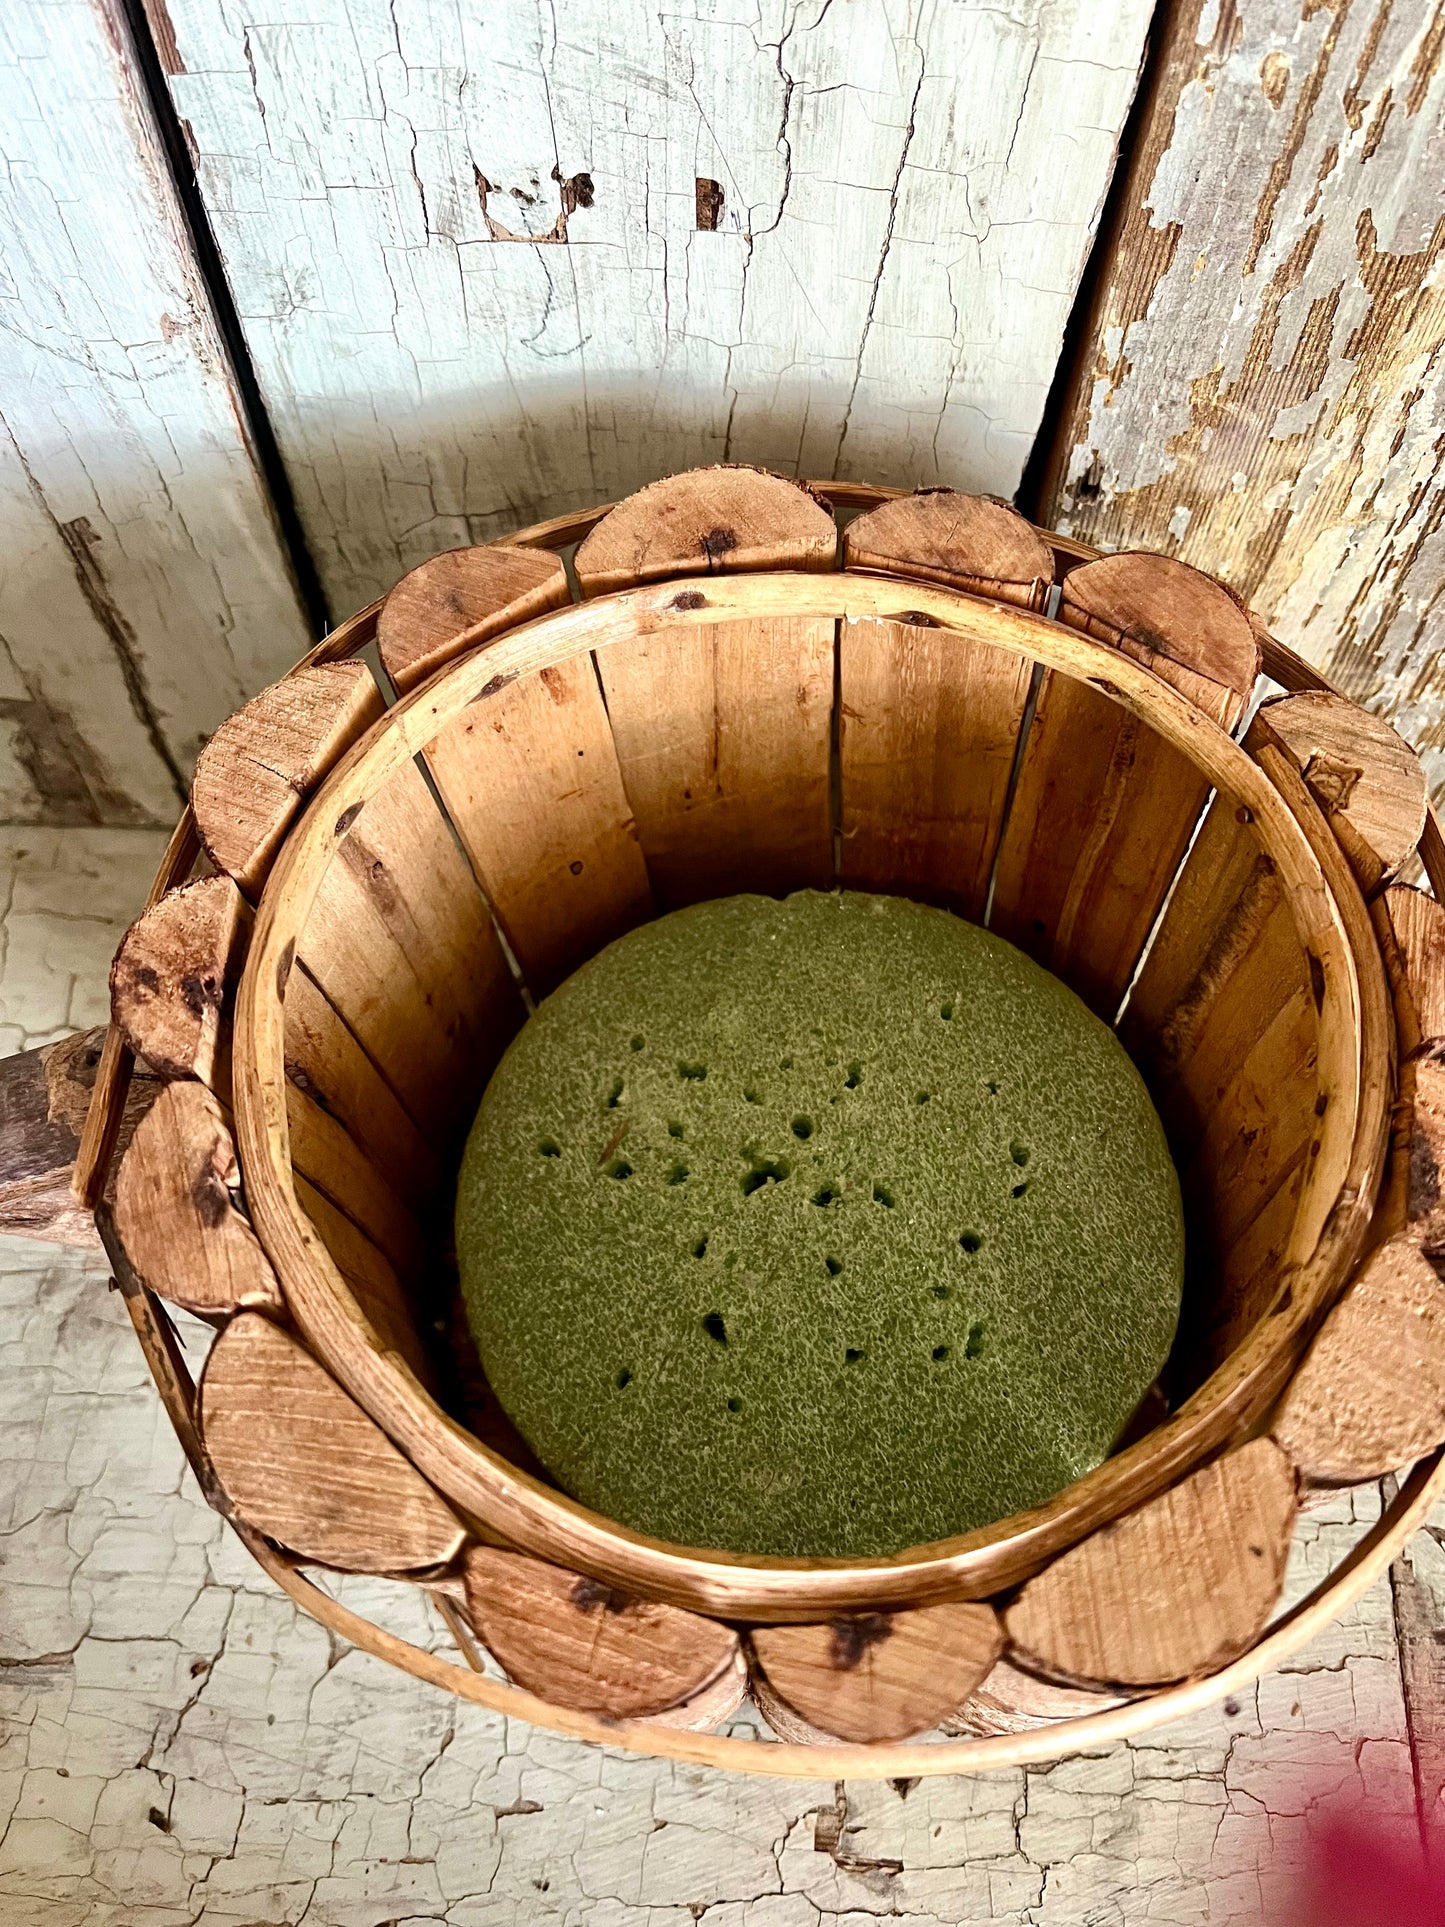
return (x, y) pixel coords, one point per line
(817, 1228)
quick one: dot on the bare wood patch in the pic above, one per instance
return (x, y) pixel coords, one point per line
(256, 772)
(173, 982)
(576, 1642)
(1370, 1394)
(707, 521)
(178, 1210)
(1172, 1591)
(304, 1464)
(1010, 1700)
(880, 1676)
(968, 542)
(460, 599)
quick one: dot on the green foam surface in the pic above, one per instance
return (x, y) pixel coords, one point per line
(817, 1228)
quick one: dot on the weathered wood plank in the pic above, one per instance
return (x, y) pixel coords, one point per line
(524, 312)
(144, 592)
(1263, 390)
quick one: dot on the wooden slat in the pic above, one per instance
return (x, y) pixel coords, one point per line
(1363, 774)
(963, 541)
(880, 1676)
(395, 1310)
(928, 732)
(1104, 808)
(1172, 1591)
(1411, 930)
(44, 1100)
(1370, 1395)
(722, 737)
(174, 979)
(1010, 1700)
(177, 1209)
(707, 521)
(324, 1154)
(531, 781)
(459, 599)
(303, 1463)
(1411, 927)
(1221, 1024)
(1261, 388)
(575, 1642)
(400, 943)
(256, 772)
(325, 1061)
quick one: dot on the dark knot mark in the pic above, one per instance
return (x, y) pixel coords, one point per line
(854, 1636)
(916, 619)
(1317, 979)
(1333, 782)
(591, 1596)
(200, 994)
(689, 599)
(347, 818)
(719, 542)
(497, 684)
(283, 967)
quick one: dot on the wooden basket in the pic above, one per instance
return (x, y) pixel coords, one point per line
(958, 708)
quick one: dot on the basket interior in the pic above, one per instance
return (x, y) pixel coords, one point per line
(776, 753)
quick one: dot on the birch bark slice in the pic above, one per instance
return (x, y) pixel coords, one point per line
(963, 541)
(177, 1210)
(704, 522)
(1370, 1394)
(460, 599)
(303, 1463)
(578, 1643)
(1172, 1591)
(264, 761)
(1363, 774)
(174, 979)
(880, 1676)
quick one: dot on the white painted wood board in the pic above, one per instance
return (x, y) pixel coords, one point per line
(1264, 392)
(908, 196)
(143, 591)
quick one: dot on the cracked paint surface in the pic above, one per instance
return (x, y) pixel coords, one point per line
(907, 196)
(1264, 390)
(143, 591)
(179, 1747)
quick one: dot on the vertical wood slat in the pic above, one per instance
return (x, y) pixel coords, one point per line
(401, 946)
(1104, 807)
(531, 781)
(394, 1312)
(928, 731)
(723, 741)
(1222, 1024)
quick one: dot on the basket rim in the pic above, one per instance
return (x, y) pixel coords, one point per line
(486, 1487)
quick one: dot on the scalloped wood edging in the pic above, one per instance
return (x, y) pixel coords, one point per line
(968, 542)
(459, 599)
(706, 521)
(173, 982)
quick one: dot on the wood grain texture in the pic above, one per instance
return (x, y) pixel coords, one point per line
(397, 1311)
(144, 591)
(400, 944)
(257, 771)
(578, 1643)
(174, 979)
(324, 1154)
(963, 541)
(1362, 773)
(880, 1676)
(523, 317)
(928, 729)
(44, 1097)
(532, 783)
(301, 1462)
(1104, 809)
(1369, 1396)
(1221, 1023)
(178, 1209)
(723, 741)
(703, 522)
(1009, 1700)
(459, 599)
(1411, 927)
(1172, 1591)
(1262, 390)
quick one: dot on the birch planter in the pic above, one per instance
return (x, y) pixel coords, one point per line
(969, 712)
